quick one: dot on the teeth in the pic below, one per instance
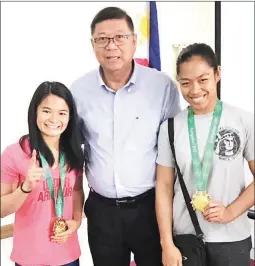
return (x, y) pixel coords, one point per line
(51, 126)
(198, 99)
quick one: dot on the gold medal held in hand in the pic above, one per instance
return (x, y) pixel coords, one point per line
(59, 226)
(200, 200)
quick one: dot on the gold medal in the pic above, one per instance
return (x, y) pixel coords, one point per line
(59, 226)
(200, 200)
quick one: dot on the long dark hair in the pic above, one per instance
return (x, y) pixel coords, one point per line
(70, 139)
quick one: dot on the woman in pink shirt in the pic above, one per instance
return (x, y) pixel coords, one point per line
(41, 182)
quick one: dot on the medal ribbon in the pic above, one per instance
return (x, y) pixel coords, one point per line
(59, 202)
(201, 172)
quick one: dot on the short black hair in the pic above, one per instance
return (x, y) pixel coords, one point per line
(197, 49)
(111, 13)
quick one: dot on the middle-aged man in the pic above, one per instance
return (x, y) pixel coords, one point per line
(122, 105)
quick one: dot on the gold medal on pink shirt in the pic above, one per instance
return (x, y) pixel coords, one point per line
(60, 225)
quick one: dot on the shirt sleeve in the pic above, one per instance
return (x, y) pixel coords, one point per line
(9, 173)
(171, 105)
(249, 131)
(165, 156)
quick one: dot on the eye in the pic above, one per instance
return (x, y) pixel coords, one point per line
(46, 111)
(101, 39)
(185, 84)
(120, 37)
(62, 113)
(204, 80)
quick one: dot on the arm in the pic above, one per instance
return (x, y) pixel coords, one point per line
(216, 212)
(74, 223)
(245, 201)
(12, 198)
(78, 199)
(164, 203)
(171, 105)
(164, 198)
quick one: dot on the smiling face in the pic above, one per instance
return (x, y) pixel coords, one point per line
(198, 83)
(52, 116)
(116, 55)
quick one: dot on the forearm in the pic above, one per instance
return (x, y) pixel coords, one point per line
(10, 203)
(243, 202)
(78, 202)
(164, 211)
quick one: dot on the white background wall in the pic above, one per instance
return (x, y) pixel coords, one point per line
(51, 41)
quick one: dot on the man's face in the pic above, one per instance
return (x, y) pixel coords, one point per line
(118, 53)
(229, 143)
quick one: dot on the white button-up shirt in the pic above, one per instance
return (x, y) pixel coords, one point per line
(122, 128)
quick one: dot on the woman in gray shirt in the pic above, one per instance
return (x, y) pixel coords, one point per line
(219, 179)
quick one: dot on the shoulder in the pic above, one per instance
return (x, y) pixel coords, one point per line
(164, 126)
(178, 120)
(181, 116)
(14, 153)
(84, 82)
(154, 75)
(13, 148)
(238, 114)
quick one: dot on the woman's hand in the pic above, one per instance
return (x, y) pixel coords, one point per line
(171, 256)
(34, 174)
(216, 212)
(73, 226)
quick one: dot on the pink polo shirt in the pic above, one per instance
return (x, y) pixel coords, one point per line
(32, 226)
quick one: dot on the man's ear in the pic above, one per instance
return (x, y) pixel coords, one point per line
(135, 39)
(92, 43)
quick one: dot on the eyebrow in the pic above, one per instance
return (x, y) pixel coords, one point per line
(205, 74)
(117, 31)
(47, 108)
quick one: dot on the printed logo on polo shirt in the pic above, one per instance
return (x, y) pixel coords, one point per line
(227, 143)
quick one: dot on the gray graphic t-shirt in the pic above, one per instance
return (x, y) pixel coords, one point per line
(234, 142)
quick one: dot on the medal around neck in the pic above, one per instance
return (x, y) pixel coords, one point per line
(202, 170)
(60, 224)
(200, 200)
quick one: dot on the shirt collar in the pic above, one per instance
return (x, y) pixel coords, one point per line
(130, 83)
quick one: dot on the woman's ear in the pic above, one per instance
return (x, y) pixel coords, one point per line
(218, 74)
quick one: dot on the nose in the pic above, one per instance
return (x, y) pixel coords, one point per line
(195, 88)
(111, 45)
(54, 117)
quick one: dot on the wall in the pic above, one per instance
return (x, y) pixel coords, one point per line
(51, 41)
(237, 61)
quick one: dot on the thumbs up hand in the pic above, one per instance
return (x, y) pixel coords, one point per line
(34, 174)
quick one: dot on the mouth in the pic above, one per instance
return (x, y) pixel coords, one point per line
(198, 99)
(112, 58)
(52, 126)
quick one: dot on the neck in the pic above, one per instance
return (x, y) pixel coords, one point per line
(52, 142)
(208, 109)
(117, 79)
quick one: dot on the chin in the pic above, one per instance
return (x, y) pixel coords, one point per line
(53, 134)
(112, 68)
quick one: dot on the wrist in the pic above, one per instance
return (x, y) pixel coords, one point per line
(78, 221)
(24, 188)
(167, 243)
(231, 213)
